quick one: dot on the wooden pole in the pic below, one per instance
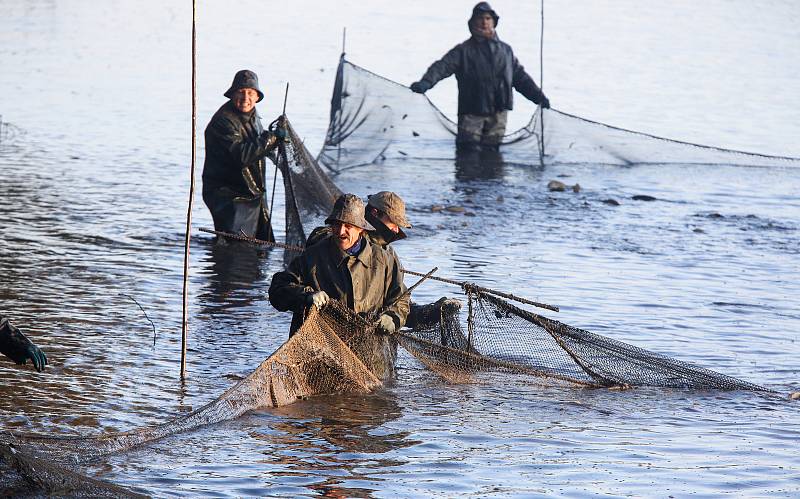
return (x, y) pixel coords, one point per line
(541, 86)
(188, 238)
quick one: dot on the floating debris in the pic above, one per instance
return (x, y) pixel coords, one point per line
(610, 202)
(643, 197)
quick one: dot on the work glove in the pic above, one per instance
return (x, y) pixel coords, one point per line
(281, 132)
(318, 299)
(386, 324)
(420, 87)
(38, 358)
(544, 102)
(19, 348)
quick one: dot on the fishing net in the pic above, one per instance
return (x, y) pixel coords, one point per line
(334, 351)
(309, 192)
(373, 118)
(25, 475)
(498, 336)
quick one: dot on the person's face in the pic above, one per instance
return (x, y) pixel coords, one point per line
(484, 25)
(383, 217)
(346, 235)
(244, 99)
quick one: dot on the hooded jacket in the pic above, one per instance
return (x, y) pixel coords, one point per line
(487, 73)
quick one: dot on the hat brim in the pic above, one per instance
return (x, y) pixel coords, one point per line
(229, 93)
(366, 226)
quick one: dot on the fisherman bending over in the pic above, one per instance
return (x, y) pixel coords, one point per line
(17, 347)
(346, 266)
(487, 72)
(234, 177)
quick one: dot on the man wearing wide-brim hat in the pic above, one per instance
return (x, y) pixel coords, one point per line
(234, 176)
(344, 266)
(385, 212)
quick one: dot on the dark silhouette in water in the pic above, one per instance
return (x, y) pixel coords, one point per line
(479, 165)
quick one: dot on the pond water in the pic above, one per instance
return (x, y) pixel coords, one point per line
(95, 158)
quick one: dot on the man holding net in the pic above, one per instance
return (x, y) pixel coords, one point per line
(234, 170)
(345, 266)
(487, 72)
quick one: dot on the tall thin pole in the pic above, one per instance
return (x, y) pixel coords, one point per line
(541, 83)
(185, 322)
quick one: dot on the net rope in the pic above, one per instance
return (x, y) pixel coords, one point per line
(373, 119)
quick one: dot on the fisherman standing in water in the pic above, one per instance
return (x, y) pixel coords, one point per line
(487, 72)
(234, 171)
(346, 266)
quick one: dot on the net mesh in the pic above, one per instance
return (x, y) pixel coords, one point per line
(334, 351)
(309, 192)
(495, 335)
(373, 118)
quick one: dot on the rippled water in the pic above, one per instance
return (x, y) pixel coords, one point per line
(93, 201)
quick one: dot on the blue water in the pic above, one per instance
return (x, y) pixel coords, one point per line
(93, 200)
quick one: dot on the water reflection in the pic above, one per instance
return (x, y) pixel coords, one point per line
(232, 268)
(343, 433)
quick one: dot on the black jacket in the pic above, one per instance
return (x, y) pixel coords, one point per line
(487, 72)
(235, 152)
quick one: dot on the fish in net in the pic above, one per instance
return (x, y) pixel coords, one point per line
(373, 118)
(499, 336)
(308, 191)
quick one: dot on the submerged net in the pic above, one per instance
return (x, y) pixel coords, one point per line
(498, 336)
(334, 351)
(373, 118)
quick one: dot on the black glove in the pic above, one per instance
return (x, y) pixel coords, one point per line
(544, 102)
(420, 87)
(18, 347)
(38, 358)
(281, 132)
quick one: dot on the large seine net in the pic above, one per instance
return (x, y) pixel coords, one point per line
(373, 118)
(495, 335)
(333, 351)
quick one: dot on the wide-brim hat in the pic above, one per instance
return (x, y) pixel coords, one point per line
(483, 7)
(245, 79)
(349, 209)
(391, 204)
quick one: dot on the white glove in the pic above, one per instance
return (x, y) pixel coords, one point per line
(386, 324)
(318, 299)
